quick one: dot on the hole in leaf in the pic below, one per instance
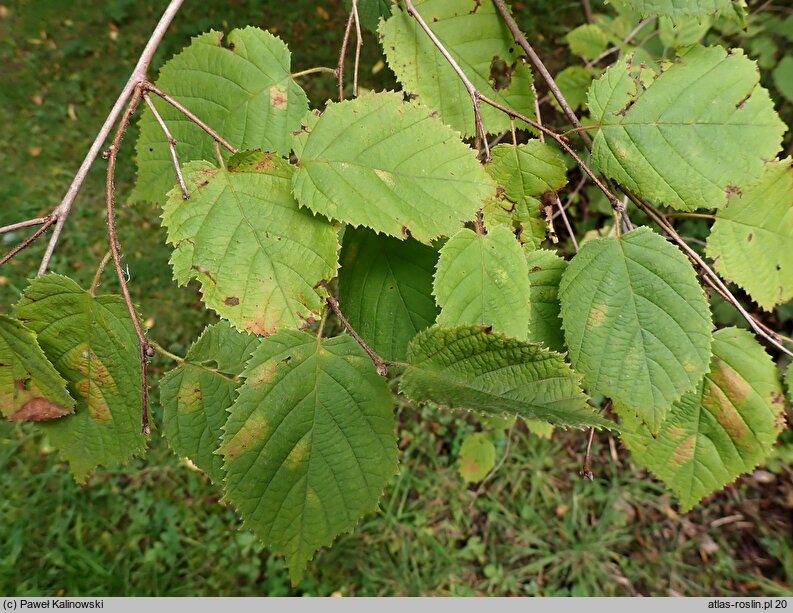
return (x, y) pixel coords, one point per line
(500, 74)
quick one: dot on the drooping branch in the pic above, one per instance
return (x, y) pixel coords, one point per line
(115, 249)
(481, 133)
(380, 364)
(37, 221)
(61, 212)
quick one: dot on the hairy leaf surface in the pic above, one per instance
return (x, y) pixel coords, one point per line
(722, 429)
(469, 368)
(752, 238)
(636, 322)
(91, 342)
(196, 394)
(30, 387)
(309, 444)
(545, 274)
(476, 36)
(681, 8)
(385, 289)
(389, 165)
(483, 279)
(243, 91)
(257, 255)
(671, 135)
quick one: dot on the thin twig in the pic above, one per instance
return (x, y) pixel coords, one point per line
(358, 45)
(162, 351)
(61, 212)
(616, 203)
(171, 145)
(561, 211)
(481, 134)
(150, 87)
(537, 113)
(587, 10)
(25, 224)
(586, 469)
(715, 280)
(99, 271)
(314, 70)
(572, 195)
(343, 55)
(692, 215)
(382, 369)
(539, 66)
(28, 241)
(115, 249)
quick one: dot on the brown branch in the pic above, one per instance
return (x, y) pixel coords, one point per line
(150, 87)
(539, 66)
(711, 278)
(343, 55)
(112, 154)
(61, 212)
(381, 366)
(29, 240)
(25, 224)
(171, 145)
(586, 469)
(481, 133)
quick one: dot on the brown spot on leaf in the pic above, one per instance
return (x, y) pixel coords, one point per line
(40, 409)
(266, 162)
(190, 397)
(231, 301)
(536, 269)
(684, 452)
(97, 405)
(749, 237)
(253, 431)
(258, 327)
(278, 97)
(732, 189)
(725, 391)
(743, 100)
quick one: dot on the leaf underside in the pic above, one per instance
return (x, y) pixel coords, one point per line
(92, 344)
(722, 429)
(636, 322)
(671, 135)
(30, 387)
(545, 274)
(309, 444)
(391, 166)
(243, 91)
(469, 368)
(258, 256)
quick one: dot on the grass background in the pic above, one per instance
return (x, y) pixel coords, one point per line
(157, 527)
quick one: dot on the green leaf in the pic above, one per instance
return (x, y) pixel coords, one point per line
(722, 429)
(751, 239)
(682, 31)
(469, 368)
(309, 444)
(540, 429)
(671, 135)
(573, 81)
(370, 12)
(545, 274)
(92, 343)
(243, 91)
(30, 387)
(529, 169)
(783, 77)
(483, 279)
(385, 289)
(587, 40)
(475, 35)
(257, 255)
(789, 381)
(477, 457)
(523, 217)
(683, 8)
(196, 395)
(389, 165)
(636, 322)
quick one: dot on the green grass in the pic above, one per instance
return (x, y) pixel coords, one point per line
(156, 527)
